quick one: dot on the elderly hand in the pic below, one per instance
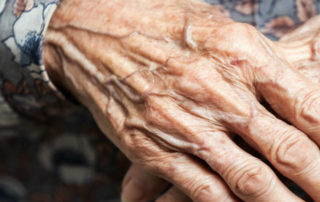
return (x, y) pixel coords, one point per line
(170, 81)
(300, 47)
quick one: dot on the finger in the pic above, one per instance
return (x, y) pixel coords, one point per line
(302, 45)
(288, 149)
(309, 28)
(293, 97)
(249, 178)
(138, 185)
(173, 195)
(188, 174)
(194, 179)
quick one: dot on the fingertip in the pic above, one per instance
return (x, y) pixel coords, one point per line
(132, 191)
(138, 185)
(173, 195)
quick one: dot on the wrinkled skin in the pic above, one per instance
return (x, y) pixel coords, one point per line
(300, 49)
(171, 82)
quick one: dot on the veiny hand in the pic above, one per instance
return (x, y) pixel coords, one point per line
(168, 82)
(300, 47)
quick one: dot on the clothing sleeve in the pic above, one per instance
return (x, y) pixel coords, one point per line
(25, 83)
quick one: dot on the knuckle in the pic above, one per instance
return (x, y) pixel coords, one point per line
(309, 108)
(202, 193)
(294, 154)
(205, 191)
(238, 35)
(252, 181)
(243, 31)
(205, 147)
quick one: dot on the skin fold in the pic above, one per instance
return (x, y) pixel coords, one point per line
(170, 82)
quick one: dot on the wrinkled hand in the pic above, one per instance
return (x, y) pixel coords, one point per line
(300, 47)
(173, 80)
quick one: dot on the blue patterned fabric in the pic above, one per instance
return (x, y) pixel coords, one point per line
(44, 154)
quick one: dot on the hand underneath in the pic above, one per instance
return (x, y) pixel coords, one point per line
(170, 82)
(302, 48)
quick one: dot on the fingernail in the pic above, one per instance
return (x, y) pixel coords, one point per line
(132, 191)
